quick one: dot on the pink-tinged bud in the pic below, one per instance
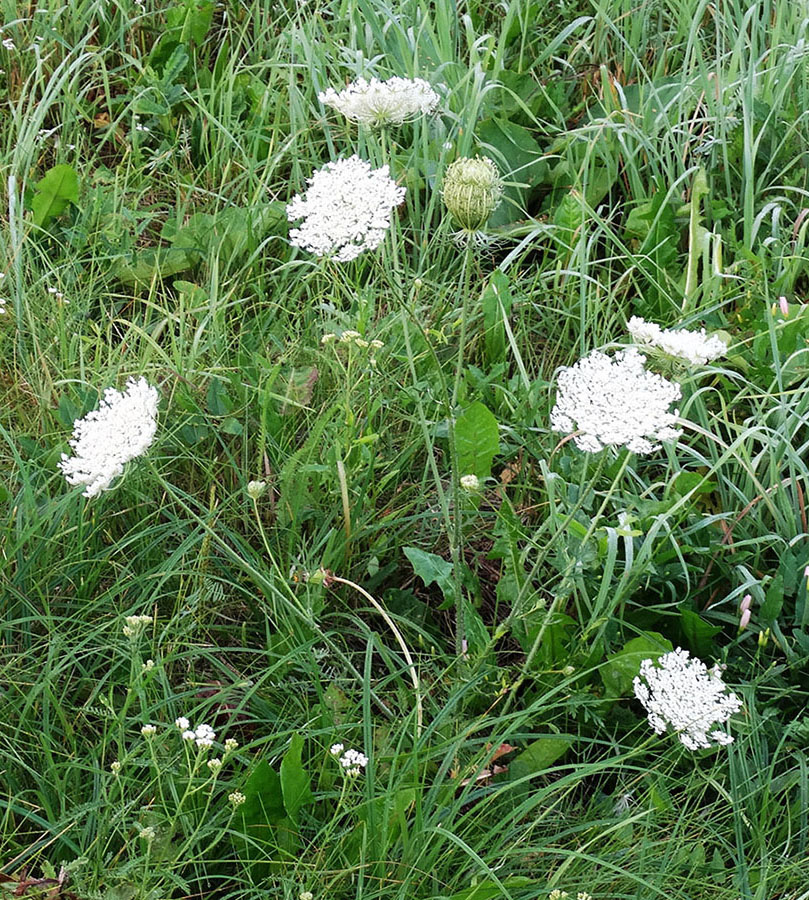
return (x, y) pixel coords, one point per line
(745, 604)
(806, 572)
(782, 302)
(744, 621)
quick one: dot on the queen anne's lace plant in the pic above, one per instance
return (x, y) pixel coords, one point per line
(613, 401)
(693, 347)
(682, 695)
(376, 103)
(122, 428)
(345, 210)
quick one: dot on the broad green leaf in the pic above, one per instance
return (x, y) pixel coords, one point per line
(431, 568)
(699, 633)
(622, 667)
(489, 890)
(540, 755)
(477, 441)
(773, 600)
(146, 265)
(264, 803)
(295, 784)
(54, 191)
(193, 18)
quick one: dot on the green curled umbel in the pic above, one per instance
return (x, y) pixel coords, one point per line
(471, 191)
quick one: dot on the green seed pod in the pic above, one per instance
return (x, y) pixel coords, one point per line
(471, 191)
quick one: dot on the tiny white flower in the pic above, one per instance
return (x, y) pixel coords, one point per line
(134, 625)
(336, 749)
(231, 744)
(349, 336)
(119, 430)
(148, 730)
(353, 761)
(215, 765)
(182, 723)
(237, 798)
(306, 895)
(147, 666)
(377, 344)
(255, 489)
(470, 483)
(376, 103)
(147, 834)
(188, 736)
(204, 735)
(328, 338)
(346, 209)
(115, 767)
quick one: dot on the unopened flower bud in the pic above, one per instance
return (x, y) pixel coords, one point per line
(744, 621)
(471, 191)
(745, 604)
(783, 303)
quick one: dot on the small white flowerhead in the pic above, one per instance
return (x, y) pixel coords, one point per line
(556, 894)
(119, 430)
(237, 798)
(188, 736)
(134, 625)
(680, 694)
(148, 730)
(115, 767)
(336, 749)
(353, 762)
(231, 744)
(329, 338)
(204, 736)
(349, 336)
(214, 765)
(471, 191)
(182, 723)
(147, 834)
(377, 103)
(346, 209)
(256, 488)
(377, 344)
(470, 483)
(306, 895)
(692, 347)
(604, 401)
(147, 666)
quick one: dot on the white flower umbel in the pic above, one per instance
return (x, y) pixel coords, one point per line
(122, 428)
(614, 402)
(680, 694)
(692, 347)
(376, 103)
(345, 210)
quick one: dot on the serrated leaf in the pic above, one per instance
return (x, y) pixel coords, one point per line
(477, 441)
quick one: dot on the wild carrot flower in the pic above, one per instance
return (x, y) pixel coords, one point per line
(345, 210)
(692, 347)
(122, 428)
(680, 694)
(615, 402)
(377, 103)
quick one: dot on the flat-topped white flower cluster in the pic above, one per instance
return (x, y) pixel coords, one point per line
(376, 103)
(107, 438)
(680, 694)
(613, 401)
(693, 347)
(345, 210)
